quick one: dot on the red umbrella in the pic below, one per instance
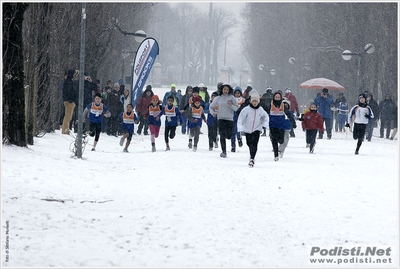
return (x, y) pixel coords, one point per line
(320, 83)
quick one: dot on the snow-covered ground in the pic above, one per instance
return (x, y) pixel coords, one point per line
(181, 208)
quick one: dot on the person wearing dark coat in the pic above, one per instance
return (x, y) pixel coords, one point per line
(70, 98)
(372, 123)
(386, 112)
(184, 102)
(142, 109)
(324, 103)
(265, 103)
(394, 125)
(115, 107)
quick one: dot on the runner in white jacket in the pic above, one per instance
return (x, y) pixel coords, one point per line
(251, 121)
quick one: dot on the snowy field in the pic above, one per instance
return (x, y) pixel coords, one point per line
(181, 208)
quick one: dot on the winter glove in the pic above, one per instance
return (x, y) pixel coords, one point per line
(298, 114)
(367, 116)
(294, 126)
(347, 125)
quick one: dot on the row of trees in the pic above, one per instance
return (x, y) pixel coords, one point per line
(186, 35)
(317, 34)
(47, 37)
(41, 41)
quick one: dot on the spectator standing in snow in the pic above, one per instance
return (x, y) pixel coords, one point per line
(290, 124)
(128, 126)
(173, 118)
(95, 111)
(372, 123)
(125, 99)
(386, 112)
(173, 93)
(89, 88)
(104, 94)
(294, 106)
(360, 114)
(336, 112)
(394, 124)
(142, 109)
(312, 123)
(184, 102)
(155, 108)
(212, 124)
(61, 101)
(240, 100)
(251, 121)
(227, 106)
(115, 107)
(195, 114)
(342, 110)
(324, 103)
(70, 98)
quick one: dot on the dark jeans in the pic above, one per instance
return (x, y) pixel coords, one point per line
(113, 125)
(235, 134)
(252, 142)
(370, 128)
(359, 133)
(311, 135)
(184, 124)
(276, 136)
(385, 124)
(143, 123)
(212, 134)
(225, 128)
(328, 127)
(169, 132)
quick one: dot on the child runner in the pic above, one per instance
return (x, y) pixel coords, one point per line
(129, 119)
(195, 114)
(96, 110)
(212, 123)
(312, 123)
(172, 114)
(360, 115)
(277, 123)
(252, 119)
(227, 106)
(154, 121)
(185, 109)
(240, 100)
(290, 124)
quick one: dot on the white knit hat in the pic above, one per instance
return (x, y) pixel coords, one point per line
(255, 96)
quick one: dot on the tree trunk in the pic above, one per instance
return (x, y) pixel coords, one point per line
(13, 75)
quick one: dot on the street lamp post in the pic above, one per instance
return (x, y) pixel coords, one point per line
(306, 66)
(272, 72)
(346, 55)
(139, 36)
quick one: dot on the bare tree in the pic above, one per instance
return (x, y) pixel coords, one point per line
(317, 34)
(13, 75)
